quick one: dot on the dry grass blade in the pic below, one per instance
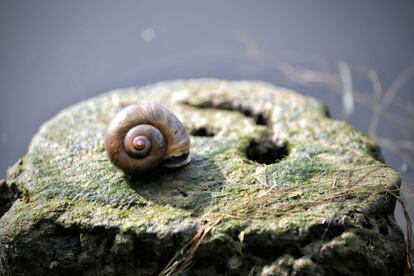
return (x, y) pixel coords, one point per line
(360, 185)
(347, 91)
(181, 261)
(389, 96)
(409, 229)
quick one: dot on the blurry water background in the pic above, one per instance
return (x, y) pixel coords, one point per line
(356, 56)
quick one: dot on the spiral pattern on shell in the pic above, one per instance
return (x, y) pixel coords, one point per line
(142, 137)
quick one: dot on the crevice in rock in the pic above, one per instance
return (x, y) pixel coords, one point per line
(267, 150)
(8, 195)
(305, 241)
(319, 233)
(326, 231)
(181, 192)
(235, 234)
(269, 252)
(260, 117)
(203, 132)
(376, 153)
(266, 248)
(383, 229)
(221, 268)
(325, 111)
(10, 191)
(296, 253)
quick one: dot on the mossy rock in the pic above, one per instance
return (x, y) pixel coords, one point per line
(275, 187)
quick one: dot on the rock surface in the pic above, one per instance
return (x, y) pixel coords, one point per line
(275, 187)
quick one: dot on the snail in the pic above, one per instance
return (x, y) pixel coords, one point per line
(142, 137)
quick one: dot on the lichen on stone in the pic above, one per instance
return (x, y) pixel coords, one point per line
(280, 187)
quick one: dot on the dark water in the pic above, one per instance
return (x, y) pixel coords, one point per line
(56, 53)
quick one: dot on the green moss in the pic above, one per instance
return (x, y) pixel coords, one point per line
(299, 170)
(330, 169)
(67, 160)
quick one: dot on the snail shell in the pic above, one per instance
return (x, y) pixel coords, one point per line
(144, 136)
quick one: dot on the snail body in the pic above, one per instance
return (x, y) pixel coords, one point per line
(142, 137)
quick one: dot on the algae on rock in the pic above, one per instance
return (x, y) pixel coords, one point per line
(274, 186)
